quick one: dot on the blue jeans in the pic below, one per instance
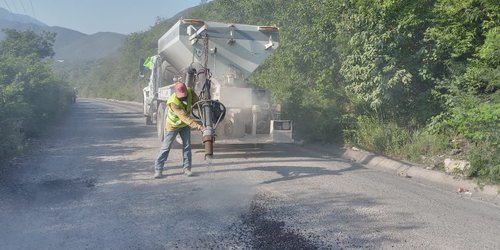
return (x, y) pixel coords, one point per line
(168, 139)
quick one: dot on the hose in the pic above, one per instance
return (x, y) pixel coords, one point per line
(218, 111)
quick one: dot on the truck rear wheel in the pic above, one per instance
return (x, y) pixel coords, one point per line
(147, 113)
(148, 120)
(160, 121)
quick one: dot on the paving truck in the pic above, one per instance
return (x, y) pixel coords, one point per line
(215, 59)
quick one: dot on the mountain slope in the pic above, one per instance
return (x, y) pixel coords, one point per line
(89, 47)
(70, 45)
(9, 16)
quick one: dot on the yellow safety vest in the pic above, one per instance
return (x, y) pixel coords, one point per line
(172, 118)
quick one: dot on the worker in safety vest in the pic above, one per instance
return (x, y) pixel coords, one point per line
(178, 121)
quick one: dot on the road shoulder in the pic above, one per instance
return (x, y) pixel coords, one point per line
(404, 169)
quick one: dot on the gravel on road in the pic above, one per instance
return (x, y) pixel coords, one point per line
(88, 184)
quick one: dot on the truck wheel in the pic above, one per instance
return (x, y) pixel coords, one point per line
(160, 121)
(147, 115)
(148, 120)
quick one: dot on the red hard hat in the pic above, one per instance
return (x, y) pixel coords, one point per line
(180, 90)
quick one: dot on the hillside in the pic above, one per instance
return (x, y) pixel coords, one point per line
(18, 18)
(70, 45)
(87, 47)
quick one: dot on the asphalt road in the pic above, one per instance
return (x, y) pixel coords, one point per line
(87, 185)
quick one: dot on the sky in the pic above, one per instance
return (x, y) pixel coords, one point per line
(91, 16)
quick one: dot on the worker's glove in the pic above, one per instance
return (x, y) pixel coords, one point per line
(201, 128)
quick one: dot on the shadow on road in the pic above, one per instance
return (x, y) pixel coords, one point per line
(294, 173)
(234, 157)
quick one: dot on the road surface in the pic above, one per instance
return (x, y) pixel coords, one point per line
(88, 185)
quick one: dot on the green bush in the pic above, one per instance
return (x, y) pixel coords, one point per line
(424, 144)
(475, 119)
(377, 136)
(27, 113)
(391, 139)
(485, 162)
(10, 131)
(30, 97)
(477, 123)
(320, 125)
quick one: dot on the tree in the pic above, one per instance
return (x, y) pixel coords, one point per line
(27, 44)
(30, 97)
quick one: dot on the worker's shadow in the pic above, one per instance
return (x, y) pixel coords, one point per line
(264, 153)
(247, 151)
(288, 173)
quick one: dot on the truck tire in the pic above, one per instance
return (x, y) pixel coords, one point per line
(160, 121)
(148, 120)
(147, 115)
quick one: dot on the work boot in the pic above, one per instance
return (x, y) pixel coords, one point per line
(187, 172)
(158, 174)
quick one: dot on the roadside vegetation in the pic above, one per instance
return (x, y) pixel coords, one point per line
(31, 97)
(416, 80)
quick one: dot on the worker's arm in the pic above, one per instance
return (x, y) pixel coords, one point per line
(185, 117)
